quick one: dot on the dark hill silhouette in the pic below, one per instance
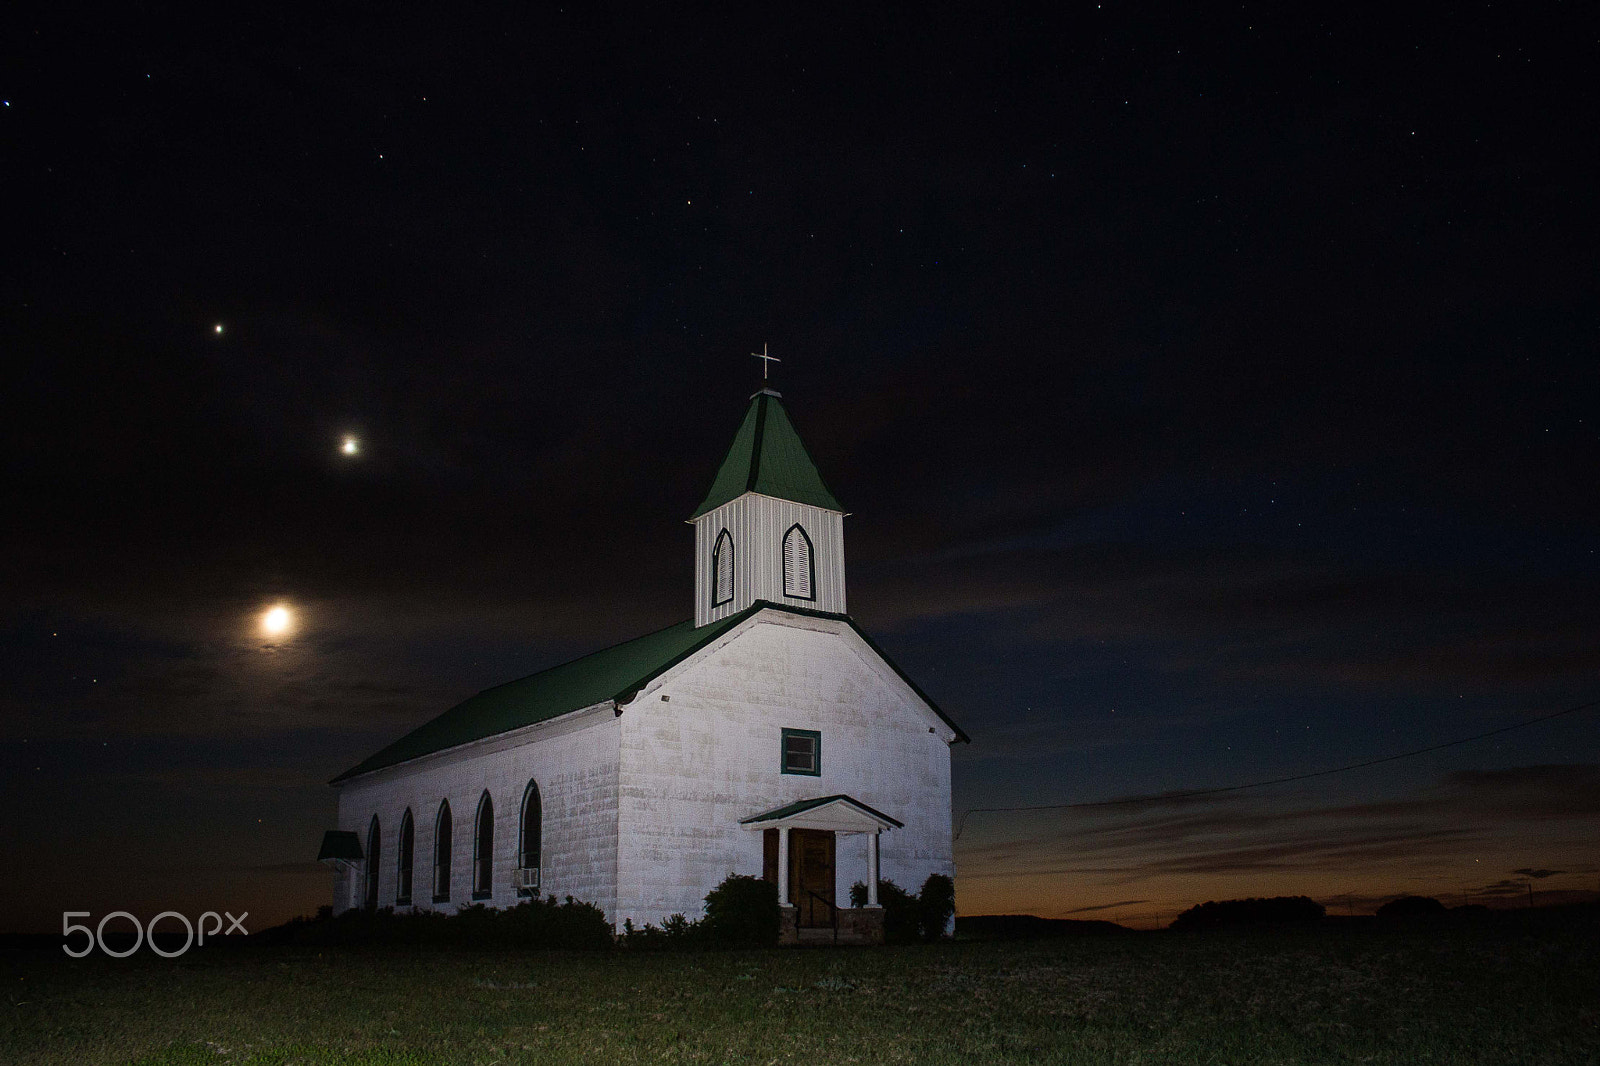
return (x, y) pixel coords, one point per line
(1028, 927)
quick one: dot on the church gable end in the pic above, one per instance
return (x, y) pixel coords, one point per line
(788, 706)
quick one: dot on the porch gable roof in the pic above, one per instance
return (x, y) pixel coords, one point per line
(841, 813)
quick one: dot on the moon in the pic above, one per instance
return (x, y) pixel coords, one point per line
(277, 621)
(351, 446)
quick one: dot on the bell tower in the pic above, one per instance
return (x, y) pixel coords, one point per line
(769, 529)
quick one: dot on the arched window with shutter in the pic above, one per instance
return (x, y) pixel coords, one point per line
(442, 842)
(483, 850)
(374, 852)
(722, 570)
(408, 838)
(799, 571)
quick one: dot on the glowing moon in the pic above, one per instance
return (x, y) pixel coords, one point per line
(351, 446)
(276, 621)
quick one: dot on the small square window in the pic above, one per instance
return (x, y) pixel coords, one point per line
(802, 752)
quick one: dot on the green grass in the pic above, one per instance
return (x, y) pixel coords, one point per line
(1499, 993)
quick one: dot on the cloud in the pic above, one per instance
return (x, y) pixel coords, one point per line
(1539, 874)
(1550, 791)
(1107, 906)
(1240, 614)
(1462, 813)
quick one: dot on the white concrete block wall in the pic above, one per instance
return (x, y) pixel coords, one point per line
(574, 760)
(693, 766)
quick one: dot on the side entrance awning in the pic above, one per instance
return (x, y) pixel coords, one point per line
(341, 845)
(841, 814)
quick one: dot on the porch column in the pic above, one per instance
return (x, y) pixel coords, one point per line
(783, 866)
(872, 868)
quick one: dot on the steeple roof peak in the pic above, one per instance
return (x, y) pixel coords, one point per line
(768, 457)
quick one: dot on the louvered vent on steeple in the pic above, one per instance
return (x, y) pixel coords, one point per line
(722, 567)
(797, 570)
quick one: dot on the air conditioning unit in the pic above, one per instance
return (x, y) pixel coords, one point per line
(528, 878)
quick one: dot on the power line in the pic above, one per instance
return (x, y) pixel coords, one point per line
(1186, 794)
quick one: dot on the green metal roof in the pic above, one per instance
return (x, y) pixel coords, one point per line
(614, 673)
(801, 806)
(768, 457)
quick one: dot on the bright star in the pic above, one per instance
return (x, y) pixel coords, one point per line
(350, 446)
(217, 328)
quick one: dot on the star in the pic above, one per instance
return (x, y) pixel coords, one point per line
(351, 446)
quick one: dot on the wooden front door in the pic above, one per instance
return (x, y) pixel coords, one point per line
(811, 853)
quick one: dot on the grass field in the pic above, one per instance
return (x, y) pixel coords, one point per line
(1500, 992)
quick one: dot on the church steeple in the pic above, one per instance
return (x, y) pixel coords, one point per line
(768, 457)
(769, 529)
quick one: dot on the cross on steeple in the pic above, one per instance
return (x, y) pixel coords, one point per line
(767, 360)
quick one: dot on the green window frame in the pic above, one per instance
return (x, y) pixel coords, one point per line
(791, 757)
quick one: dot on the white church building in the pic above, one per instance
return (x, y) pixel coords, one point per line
(768, 735)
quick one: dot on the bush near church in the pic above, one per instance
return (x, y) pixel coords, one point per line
(740, 912)
(936, 905)
(676, 933)
(908, 918)
(743, 911)
(535, 923)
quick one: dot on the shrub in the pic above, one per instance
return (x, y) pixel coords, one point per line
(542, 923)
(545, 923)
(743, 911)
(675, 933)
(936, 903)
(901, 912)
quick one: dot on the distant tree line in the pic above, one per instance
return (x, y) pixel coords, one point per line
(1242, 913)
(1301, 910)
(1413, 907)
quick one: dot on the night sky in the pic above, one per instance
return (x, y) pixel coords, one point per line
(1213, 394)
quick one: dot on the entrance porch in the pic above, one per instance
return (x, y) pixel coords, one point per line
(800, 856)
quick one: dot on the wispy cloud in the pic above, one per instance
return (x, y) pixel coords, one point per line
(1108, 906)
(1240, 834)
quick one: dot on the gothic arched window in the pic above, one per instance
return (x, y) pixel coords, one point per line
(799, 572)
(532, 828)
(442, 835)
(722, 570)
(483, 850)
(408, 835)
(373, 863)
